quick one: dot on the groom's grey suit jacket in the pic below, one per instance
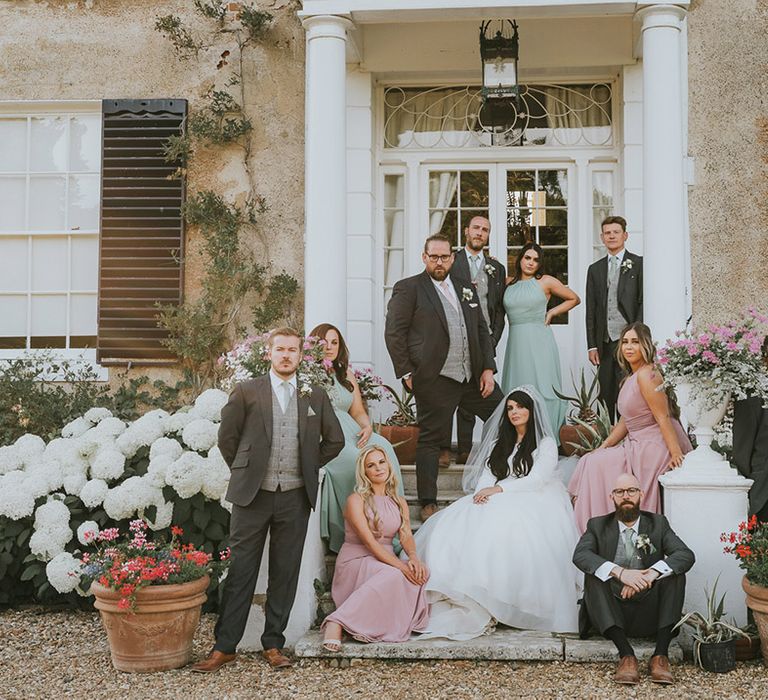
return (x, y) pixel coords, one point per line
(245, 437)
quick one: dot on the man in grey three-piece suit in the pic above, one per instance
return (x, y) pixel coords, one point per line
(634, 583)
(275, 437)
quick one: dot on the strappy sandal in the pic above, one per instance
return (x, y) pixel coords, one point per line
(332, 645)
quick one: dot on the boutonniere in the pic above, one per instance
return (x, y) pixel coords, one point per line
(466, 294)
(626, 264)
(310, 412)
(305, 390)
(643, 542)
(490, 270)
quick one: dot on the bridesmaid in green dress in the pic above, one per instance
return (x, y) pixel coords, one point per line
(532, 356)
(339, 481)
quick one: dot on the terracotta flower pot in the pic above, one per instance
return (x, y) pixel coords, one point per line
(757, 601)
(569, 436)
(158, 634)
(403, 439)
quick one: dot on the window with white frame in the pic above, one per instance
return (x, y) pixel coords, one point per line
(49, 228)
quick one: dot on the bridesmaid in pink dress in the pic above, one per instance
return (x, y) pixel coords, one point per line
(646, 441)
(379, 597)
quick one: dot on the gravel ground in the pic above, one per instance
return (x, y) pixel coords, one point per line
(65, 655)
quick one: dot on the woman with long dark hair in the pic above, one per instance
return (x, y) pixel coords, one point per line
(503, 552)
(532, 356)
(348, 405)
(647, 440)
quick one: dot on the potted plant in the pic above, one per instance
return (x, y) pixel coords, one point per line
(748, 648)
(714, 646)
(584, 423)
(750, 547)
(707, 368)
(149, 595)
(401, 428)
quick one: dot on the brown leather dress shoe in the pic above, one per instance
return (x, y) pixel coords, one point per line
(428, 511)
(276, 659)
(627, 671)
(461, 457)
(660, 670)
(444, 460)
(214, 661)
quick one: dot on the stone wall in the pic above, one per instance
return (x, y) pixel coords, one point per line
(95, 49)
(728, 84)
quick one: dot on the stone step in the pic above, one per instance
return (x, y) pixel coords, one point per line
(504, 644)
(444, 498)
(448, 478)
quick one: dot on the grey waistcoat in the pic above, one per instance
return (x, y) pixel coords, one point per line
(457, 364)
(284, 467)
(621, 558)
(481, 282)
(615, 321)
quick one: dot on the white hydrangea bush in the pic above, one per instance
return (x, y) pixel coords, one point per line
(163, 467)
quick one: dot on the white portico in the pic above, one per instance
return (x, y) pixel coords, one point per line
(394, 151)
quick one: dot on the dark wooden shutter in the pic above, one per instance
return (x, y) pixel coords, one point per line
(141, 247)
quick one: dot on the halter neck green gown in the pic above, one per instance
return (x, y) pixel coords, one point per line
(532, 356)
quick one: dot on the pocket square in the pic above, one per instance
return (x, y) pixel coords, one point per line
(473, 306)
(310, 412)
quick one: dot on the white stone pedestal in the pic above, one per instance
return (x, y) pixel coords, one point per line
(702, 499)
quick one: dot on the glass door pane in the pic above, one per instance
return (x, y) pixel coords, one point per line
(537, 211)
(455, 196)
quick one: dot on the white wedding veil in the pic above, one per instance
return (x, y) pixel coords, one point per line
(478, 457)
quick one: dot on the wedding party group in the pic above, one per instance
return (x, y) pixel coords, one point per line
(523, 548)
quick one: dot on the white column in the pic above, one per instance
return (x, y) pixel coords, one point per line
(325, 172)
(664, 202)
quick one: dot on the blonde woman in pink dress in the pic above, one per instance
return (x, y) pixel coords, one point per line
(379, 597)
(647, 441)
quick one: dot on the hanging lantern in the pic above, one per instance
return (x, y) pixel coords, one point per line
(499, 55)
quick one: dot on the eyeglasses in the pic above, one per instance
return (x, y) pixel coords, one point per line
(625, 492)
(441, 258)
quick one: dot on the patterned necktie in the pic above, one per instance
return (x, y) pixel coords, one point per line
(475, 266)
(629, 545)
(286, 395)
(613, 266)
(447, 294)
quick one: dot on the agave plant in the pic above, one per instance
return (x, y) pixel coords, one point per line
(405, 407)
(710, 628)
(583, 399)
(594, 432)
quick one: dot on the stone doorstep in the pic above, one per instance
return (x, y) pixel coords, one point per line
(505, 644)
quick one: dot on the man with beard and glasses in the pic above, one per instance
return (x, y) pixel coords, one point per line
(440, 347)
(634, 583)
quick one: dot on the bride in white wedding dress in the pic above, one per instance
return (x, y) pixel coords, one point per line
(503, 552)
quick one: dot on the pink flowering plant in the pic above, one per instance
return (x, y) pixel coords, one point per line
(727, 358)
(250, 359)
(370, 385)
(137, 562)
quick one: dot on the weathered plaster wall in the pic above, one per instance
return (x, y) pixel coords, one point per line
(94, 49)
(728, 93)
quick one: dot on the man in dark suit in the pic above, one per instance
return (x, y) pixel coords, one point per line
(750, 447)
(614, 298)
(634, 583)
(440, 346)
(275, 437)
(488, 277)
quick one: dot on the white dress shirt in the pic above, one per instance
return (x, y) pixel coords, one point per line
(604, 570)
(277, 387)
(449, 291)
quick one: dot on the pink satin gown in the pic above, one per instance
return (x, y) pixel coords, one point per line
(374, 601)
(642, 453)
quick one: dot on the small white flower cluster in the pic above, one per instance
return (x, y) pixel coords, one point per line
(90, 460)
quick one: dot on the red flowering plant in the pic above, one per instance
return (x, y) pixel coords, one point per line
(135, 563)
(750, 546)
